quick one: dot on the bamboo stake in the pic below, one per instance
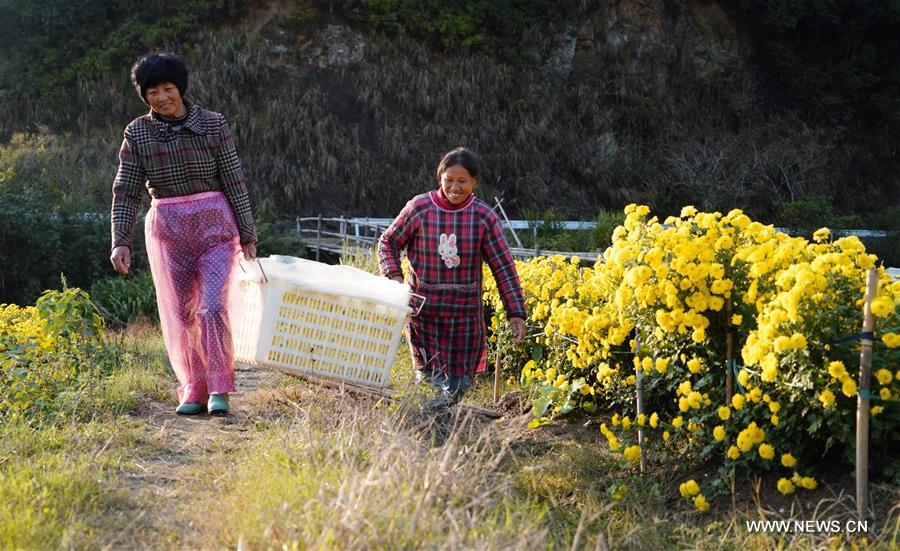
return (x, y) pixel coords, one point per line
(862, 401)
(639, 390)
(729, 355)
(497, 376)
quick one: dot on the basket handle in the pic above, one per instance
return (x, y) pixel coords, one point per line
(263, 272)
(422, 300)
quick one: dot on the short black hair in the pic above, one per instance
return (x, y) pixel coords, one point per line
(460, 156)
(157, 68)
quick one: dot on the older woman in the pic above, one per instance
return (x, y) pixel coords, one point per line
(199, 220)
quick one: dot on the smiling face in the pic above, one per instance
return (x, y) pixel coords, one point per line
(457, 184)
(165, 99)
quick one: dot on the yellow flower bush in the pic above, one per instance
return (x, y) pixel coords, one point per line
(46, 349)
(659, 307)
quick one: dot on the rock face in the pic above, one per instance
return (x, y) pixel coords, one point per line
(653, 38)
(336, 46)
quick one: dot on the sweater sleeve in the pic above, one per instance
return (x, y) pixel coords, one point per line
(502, 264)
(394, 239)
(234, 185)
(127, 192)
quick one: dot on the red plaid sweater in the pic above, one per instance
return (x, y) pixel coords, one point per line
(449, 274)
(201, 157)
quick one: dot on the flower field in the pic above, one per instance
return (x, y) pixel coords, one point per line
(686, 307)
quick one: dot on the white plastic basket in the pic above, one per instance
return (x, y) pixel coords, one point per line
(300, 327)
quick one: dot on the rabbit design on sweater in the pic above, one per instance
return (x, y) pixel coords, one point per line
(447, 250)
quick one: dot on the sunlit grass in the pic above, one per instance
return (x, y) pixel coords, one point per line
(59, 486)
(365, 476)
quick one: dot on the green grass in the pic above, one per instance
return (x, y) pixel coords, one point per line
(59, 486)
(302, 467)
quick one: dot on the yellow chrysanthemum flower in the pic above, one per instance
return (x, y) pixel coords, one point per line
(891, 340)
(788, 460)
(848, 387)
(724, 412)
(837, 370)
(821, 235)
(785, 486)
(700, 503)
(883, 306)
(632, 453)
(884, 376)
(695, 366)
(827, 398)
(689, 488)
(719, 433)
(766, 451)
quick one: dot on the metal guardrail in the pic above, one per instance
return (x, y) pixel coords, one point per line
(331, 235)
(591, 224)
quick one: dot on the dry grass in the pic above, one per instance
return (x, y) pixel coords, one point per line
(362, 138)
(353, 475)
(298, 466)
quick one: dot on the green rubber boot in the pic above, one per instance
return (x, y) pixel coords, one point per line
(189, 409)
(218, 404)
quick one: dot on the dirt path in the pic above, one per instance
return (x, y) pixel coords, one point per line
(160, 481)
(181, 449)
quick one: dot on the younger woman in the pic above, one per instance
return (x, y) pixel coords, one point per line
(448, 233)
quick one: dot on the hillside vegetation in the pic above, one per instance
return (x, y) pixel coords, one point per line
(344, 107)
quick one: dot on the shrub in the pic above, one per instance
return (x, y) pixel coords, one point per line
(54, 347)
(123, 300)
(661, 306)
(39, 242)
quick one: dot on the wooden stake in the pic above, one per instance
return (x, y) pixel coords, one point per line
(862, 401)
(729, 355)
(497, 377)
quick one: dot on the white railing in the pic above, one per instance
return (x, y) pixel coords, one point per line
(331, 235)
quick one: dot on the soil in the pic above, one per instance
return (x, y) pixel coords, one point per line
(183, 442)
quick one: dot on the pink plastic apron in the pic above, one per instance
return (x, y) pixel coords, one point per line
(192, 244)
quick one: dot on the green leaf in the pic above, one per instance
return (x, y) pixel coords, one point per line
(540, 405)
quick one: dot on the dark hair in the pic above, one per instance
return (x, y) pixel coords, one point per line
(157, 68)
(460, 156)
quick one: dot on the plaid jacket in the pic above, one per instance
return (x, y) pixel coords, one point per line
(447, 270)
(201, 157)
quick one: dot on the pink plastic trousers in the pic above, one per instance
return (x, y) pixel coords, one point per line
(192, 245)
